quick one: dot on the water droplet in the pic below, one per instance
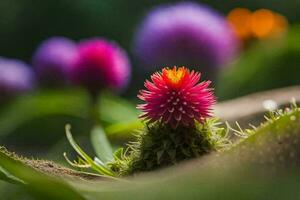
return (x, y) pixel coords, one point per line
(270, 105)
(293, 118)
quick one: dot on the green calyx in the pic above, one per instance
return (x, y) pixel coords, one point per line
(158, 145)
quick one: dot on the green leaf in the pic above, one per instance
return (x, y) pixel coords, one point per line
(101, 169)
(101, 144)
(40, 185)
(242, 172)
(118, 153)
(260, 166)
(14, 192)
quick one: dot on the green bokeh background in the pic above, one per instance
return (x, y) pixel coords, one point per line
(33, 125)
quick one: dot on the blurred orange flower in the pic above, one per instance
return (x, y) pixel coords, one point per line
(260, 24)
(239, 19)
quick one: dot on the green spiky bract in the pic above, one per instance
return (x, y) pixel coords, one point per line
(159, 145)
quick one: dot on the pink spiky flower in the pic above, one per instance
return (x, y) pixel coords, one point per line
(176, 97)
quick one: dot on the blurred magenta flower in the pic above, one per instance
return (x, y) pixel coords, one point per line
(53, 60)
(101, 64)
(176, 97)
(187, 34)
(16, 77)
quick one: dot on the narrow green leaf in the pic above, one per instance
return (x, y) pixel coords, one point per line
(101, 144)
(101, 169)
(118, 153)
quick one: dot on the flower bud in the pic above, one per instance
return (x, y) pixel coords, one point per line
(100, 64)
(16, 77)
(53, 59)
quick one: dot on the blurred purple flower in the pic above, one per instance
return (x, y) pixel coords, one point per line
(186, 34)
(53, 60)
(101, 64)
(15, 78)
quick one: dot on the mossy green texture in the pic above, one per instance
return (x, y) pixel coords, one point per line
(159, 145)
(274, 144)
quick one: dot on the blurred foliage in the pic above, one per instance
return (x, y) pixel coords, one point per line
(114, 109)
(25, 23)
(34, 106)
(265, 65)
(33, 123)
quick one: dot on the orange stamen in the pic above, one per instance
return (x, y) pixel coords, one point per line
(175, 76)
